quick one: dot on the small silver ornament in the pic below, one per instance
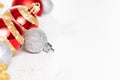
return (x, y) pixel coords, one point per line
(47, 6)
(36, 41)
(5, 53)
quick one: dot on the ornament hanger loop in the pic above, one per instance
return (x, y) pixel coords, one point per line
(37, 4)
(35, 8)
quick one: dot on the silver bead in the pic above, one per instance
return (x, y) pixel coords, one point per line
(47, 6)
(36, 41)
(5, 53)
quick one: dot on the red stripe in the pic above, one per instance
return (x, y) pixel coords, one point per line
(16, 14)
(10, 36)
(15, 43)
(2, 24)
(18, 27)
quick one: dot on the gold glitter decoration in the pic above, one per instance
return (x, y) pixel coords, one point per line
(27, 15)
(8, 14)
(3, 67)
(13, 30)
(3, 74)
(35, 8)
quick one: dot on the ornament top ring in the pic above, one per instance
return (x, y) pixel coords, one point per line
(35, 8)
(28, 3)
(26, 17)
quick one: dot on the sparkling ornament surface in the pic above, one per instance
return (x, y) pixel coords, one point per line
(28, 3)
(47, 6)
(35, 40)
(11, 34)
(5, 55)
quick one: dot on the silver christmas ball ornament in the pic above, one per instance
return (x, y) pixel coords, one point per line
(5, 53)
(47, 6)
(35, 41)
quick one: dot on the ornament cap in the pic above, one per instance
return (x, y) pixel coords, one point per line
(35, 8)
(48, 48)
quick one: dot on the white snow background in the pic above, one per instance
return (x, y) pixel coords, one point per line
(86, 37)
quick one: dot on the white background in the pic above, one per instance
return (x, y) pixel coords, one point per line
(86, 37)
